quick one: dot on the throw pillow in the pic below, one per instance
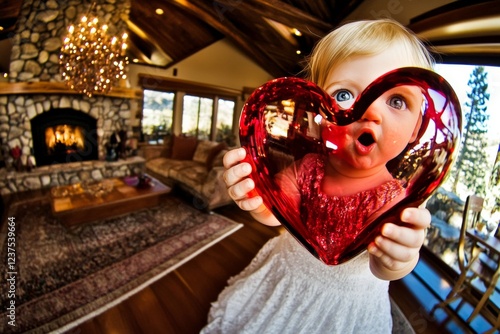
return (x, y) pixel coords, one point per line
(218, 159)
(183, 147)
(203, 150)
(214, 152)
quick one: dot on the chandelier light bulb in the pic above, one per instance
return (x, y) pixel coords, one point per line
(92, 61)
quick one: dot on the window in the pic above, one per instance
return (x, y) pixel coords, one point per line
(175, 106)
(157, 115)
(197, 114)
(225, 117)
(198, 117)
(476, 169)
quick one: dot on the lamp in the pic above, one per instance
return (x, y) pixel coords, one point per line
(92, 61)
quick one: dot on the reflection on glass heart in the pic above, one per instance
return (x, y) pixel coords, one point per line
(286, 119)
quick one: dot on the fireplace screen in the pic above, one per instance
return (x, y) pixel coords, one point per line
(64, 135)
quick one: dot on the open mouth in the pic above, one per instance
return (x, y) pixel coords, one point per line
(366, 139)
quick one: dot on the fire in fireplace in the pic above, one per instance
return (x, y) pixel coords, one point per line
(64, 135)
(64, 139)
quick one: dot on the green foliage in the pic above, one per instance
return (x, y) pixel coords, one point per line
(472, 166)
(157, 113)
(225, 134)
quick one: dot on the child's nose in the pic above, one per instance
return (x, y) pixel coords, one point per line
(372, 114)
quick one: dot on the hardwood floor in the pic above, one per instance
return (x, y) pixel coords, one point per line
(180, 301)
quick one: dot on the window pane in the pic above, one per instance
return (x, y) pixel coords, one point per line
(197, 116)
(190, 114)
(157, 114)
(205, 120)
(225, 115)
(476, 163)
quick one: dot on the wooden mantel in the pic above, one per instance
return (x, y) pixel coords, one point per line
(46, 87)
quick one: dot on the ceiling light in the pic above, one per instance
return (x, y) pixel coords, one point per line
(91, 60)
(296, 32)
(159, 11)
(298, 52)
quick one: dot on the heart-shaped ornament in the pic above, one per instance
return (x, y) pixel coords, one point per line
(287, 119)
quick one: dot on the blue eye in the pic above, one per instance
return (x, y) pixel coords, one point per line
(397, 102)
(344, 98)
(343, 95)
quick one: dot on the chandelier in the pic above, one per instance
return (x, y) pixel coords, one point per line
(91, 61)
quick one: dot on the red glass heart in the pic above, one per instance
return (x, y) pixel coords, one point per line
(278, 126)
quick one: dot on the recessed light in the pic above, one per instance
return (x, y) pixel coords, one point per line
(159, 11)
(298, 52)
(297, 32)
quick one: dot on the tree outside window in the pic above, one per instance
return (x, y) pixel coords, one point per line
(197, 116)
(157, 115)
(477, 165)
(225, 115)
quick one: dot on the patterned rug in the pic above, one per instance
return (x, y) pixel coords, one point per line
(62, 278)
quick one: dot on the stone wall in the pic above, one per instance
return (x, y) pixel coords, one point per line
(16, 112)
(42, 27)
(35, 58)
(70, 173)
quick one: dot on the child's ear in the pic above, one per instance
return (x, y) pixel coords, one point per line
(416, 130)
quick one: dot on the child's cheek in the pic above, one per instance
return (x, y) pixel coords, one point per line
(334, 137)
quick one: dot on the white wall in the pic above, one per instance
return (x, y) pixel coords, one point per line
(220, 64)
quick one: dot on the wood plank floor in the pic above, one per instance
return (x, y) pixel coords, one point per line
(180, 301)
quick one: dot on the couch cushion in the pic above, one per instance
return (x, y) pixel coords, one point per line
(192, 174)
(162, 166)
(183, 147)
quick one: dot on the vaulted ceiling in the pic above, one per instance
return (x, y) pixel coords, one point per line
(271, 32)
(276, 34)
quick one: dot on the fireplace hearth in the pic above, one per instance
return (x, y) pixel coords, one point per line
(63, 136)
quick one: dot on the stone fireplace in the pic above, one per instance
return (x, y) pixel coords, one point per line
(62, 135)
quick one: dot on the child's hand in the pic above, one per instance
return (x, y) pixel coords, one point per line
(240, 186)
(395, 252)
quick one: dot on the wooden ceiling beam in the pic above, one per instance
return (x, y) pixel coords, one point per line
(214, 16)
(280, 12)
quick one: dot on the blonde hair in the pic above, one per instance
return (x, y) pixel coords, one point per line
(363, 38)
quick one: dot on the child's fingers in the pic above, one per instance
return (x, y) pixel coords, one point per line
(406, 236)
(250, 204)
(419, 217)
(240, 190)
(396, 251)
(236, 174)
(233, 157)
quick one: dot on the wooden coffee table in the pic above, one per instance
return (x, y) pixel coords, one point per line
(74, 206)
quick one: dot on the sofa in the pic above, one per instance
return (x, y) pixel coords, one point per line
(193, 165)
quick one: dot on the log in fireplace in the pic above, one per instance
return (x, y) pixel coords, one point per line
(64, 135)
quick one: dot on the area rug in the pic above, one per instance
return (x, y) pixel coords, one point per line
(63, 277)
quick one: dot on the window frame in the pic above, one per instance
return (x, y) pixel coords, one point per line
(183, 87)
